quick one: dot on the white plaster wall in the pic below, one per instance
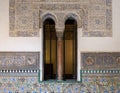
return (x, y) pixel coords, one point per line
(11, 43)
(108, 44)
(85, 44)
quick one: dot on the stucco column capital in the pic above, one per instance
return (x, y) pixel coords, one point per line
(59, 32)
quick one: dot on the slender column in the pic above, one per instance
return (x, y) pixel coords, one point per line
(60, 55)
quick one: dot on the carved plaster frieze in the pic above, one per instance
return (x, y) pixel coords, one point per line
(26, 16)
(100, 60)
(19, 60)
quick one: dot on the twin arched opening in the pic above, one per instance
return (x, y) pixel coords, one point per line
(69, 49)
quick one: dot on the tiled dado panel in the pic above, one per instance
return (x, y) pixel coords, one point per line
(19, 61)
(102, 60)
(91, 80)
(88, 85)
(101, 81)
(25, 16)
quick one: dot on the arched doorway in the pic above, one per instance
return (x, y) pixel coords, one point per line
(49, 49)
(70, 49)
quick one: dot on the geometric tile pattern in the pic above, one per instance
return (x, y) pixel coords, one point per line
(100, 60)
(102, 72)
(98, 80)
(25, 16)
(101, 81)
(88, 85)
(102, 84)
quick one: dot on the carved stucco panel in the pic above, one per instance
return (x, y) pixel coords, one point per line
(95, 20)
(100, 60)
(19, 60)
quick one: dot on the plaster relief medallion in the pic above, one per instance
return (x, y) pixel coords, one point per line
(89, 61)
(118, 60)
(31, 60)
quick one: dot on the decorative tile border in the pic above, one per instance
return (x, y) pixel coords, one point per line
(101, 72)
(19, 73)
(100, 61)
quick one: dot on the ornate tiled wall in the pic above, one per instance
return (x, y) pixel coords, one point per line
(89, 84)
(101, 60)
(23, 79)
(101, 81)
(93, 16)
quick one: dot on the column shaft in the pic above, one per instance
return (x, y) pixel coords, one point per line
(60, 53)
(60, 58)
